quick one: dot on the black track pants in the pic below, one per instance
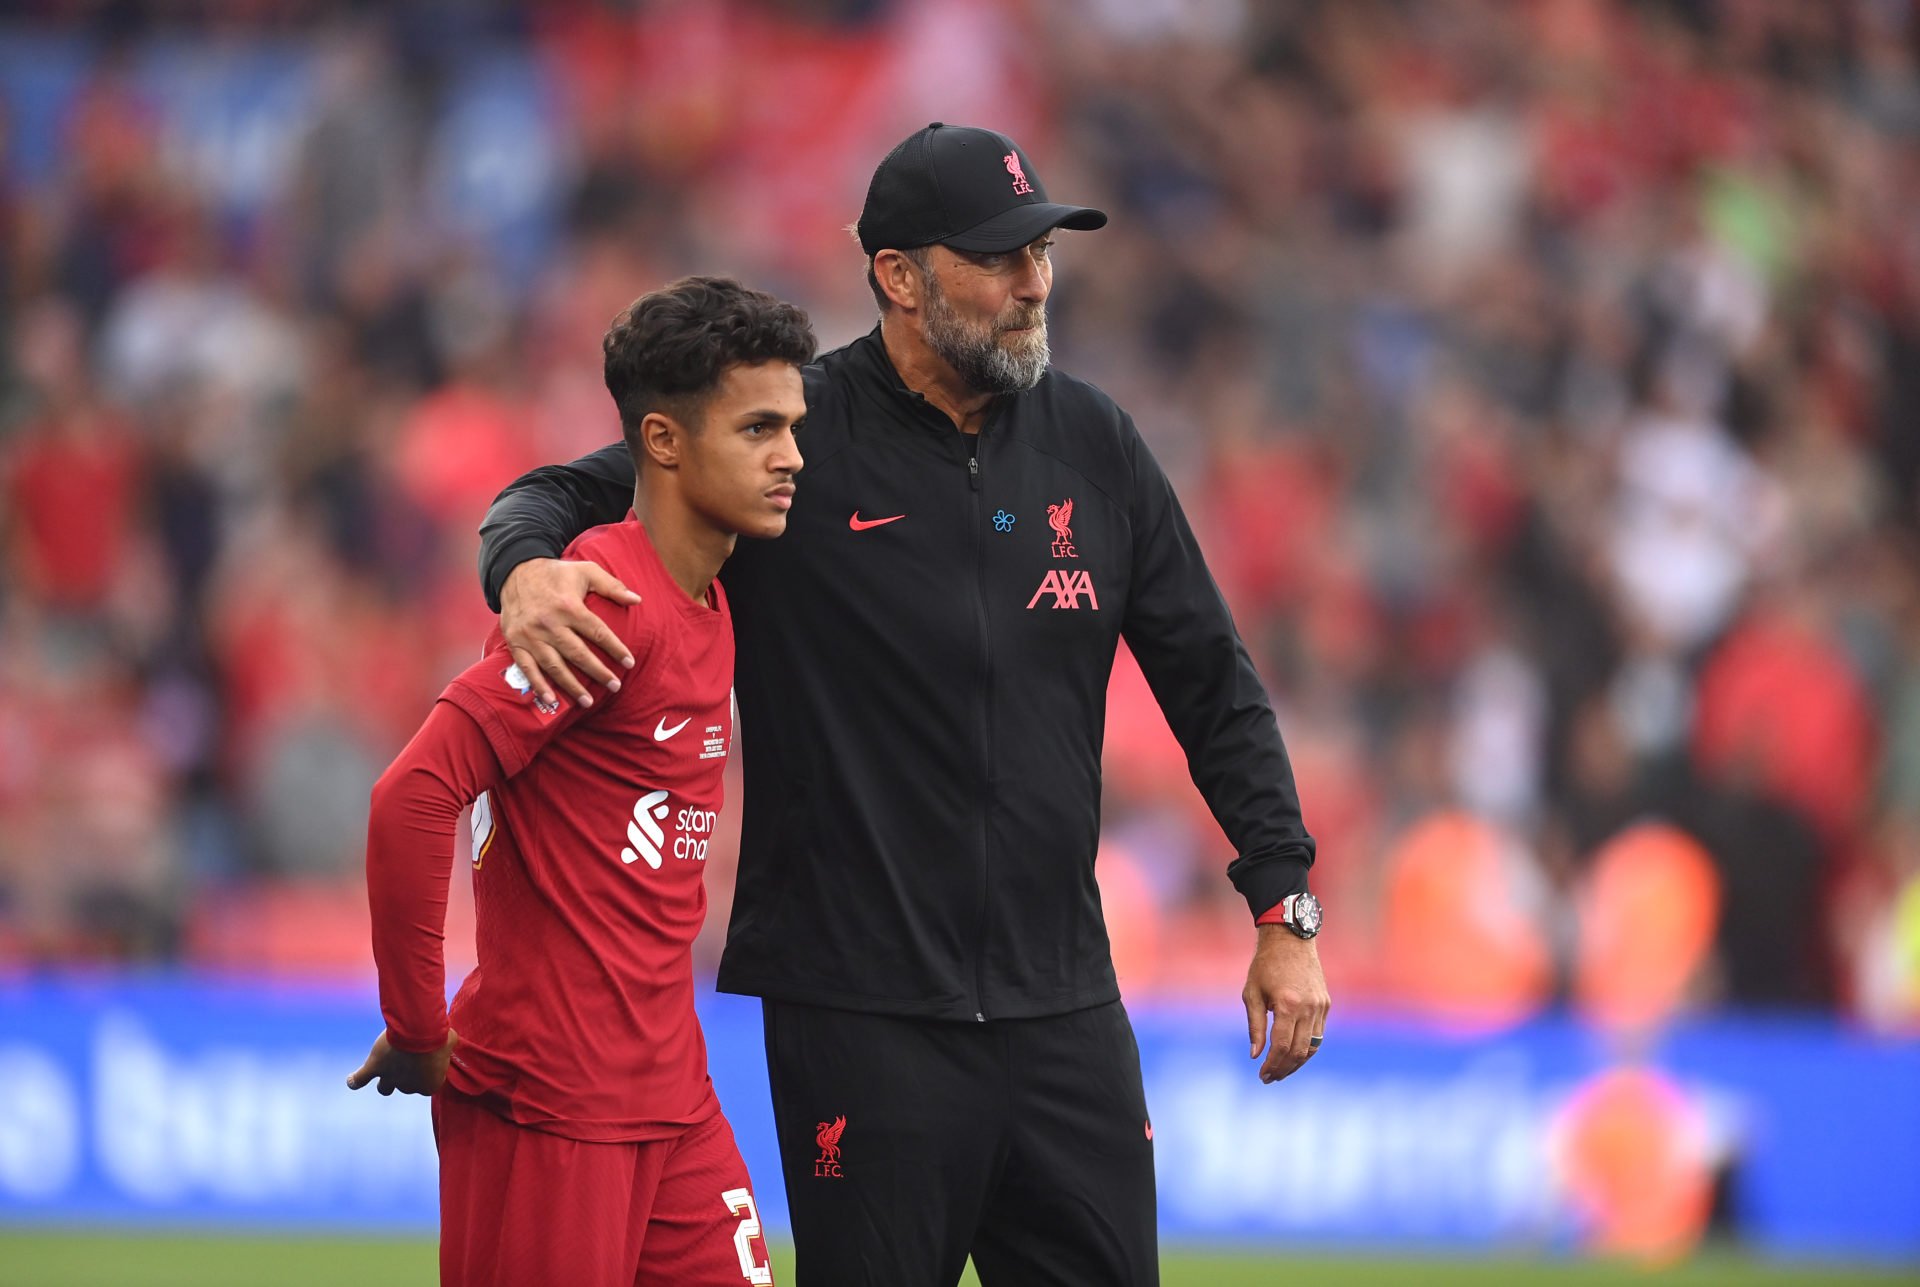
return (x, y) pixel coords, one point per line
(909, 1143)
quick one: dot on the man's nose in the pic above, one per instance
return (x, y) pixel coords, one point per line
(1033, 284)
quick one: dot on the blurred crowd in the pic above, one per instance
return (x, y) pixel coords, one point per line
(1543, 378)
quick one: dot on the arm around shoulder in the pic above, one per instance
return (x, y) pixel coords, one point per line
(539, 513)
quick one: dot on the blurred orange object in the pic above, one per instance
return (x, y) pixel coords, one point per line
(1461, 929)
(1648, 915)
(1631, 1148)
(1132, 915)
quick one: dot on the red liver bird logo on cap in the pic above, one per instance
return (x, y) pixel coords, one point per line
(1021, 187)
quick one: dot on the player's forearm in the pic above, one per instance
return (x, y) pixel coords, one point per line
(540, 512)
(414, 815)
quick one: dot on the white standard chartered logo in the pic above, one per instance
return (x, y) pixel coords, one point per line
(644, 831)
(647, 839)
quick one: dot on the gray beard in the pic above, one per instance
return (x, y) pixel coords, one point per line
(983, 363)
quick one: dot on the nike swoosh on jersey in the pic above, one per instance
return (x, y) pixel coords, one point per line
(859, 524)
(661, 732)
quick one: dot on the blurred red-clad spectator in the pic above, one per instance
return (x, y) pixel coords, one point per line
(284, 656)
(71, 485)
(108, 225)
(86, 846)
(1268, 505)
(461, 445)
(1781, 705)
(72, 477)
(463, 442)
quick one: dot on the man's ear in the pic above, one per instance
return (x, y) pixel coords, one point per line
(899, 278)
(662, 438)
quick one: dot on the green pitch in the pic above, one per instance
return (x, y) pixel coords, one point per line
(84, 1259)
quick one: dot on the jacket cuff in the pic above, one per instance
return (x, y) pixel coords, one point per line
(1266, 883)
(510, 556)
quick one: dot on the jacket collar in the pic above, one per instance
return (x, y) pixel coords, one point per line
(867, 356)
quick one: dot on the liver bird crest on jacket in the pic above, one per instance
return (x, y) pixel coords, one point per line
(1061, 517)
(827, 1136)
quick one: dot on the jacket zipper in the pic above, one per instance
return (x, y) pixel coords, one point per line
(986, 728)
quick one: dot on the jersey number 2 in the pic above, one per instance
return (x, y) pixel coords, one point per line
(739, 1200)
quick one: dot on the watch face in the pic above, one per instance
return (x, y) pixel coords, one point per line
(1306, 914)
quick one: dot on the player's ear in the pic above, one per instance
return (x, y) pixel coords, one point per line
(662, 438)
(898, 278)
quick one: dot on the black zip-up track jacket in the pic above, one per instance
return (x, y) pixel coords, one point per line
(922, 677)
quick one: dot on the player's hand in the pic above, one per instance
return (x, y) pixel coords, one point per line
(1284, 980)
(550, 630)
(410, 1074)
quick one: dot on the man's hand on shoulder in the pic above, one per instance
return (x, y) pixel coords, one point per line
(404, 1071)
(550, 630)
(1284, 980)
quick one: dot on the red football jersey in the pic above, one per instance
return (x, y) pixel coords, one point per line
(588, 869)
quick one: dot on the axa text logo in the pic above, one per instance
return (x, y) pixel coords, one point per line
(1066, 588)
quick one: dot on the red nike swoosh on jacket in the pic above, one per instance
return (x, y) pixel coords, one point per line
(859, 524)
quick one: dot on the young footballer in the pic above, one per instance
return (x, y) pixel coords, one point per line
(580, 1139)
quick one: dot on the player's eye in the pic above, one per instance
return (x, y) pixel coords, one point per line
(1041, 249)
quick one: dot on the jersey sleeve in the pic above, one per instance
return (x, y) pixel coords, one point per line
(502, 701)
(411, 821)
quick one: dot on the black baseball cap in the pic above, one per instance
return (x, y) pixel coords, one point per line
(960, 186)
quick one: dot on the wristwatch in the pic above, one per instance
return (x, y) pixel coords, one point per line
(1301, 914)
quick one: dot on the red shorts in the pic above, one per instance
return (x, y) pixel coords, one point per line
(524, 1208)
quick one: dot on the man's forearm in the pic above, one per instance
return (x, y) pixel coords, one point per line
(540, 513)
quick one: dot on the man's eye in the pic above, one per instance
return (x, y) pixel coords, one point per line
(1042, 250)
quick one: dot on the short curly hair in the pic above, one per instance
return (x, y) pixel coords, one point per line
(670, 349)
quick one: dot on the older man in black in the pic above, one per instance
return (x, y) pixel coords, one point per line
(922, 672)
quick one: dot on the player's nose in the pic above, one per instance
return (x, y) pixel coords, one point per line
(786, 458)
